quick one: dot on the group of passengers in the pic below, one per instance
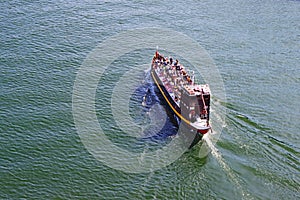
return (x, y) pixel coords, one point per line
(160, 60)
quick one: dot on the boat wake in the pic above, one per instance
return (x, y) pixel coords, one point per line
(229, 172)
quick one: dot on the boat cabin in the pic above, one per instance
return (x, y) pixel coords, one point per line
(195, 102)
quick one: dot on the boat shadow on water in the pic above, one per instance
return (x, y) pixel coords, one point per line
(151, 105)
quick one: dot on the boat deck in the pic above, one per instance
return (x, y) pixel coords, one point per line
(179, 83)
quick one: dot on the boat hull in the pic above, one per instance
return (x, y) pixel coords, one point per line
(194, 135)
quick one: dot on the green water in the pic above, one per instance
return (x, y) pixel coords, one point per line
(254, 44)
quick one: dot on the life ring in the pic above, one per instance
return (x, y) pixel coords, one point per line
(192, 114)
(204, 112)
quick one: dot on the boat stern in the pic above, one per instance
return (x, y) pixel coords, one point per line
(201, 125)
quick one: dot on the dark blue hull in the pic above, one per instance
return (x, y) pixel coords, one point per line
(192, 135)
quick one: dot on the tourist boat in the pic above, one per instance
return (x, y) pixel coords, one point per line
(190, 102)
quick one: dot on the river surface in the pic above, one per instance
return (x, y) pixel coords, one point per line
(254, 44)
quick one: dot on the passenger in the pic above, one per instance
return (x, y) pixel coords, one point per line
(166, 61)
(171, 60)
(156, 55)
(184, 77)
(176, 62)
(189, 80)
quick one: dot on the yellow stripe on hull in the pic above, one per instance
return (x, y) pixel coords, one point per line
(175, 111)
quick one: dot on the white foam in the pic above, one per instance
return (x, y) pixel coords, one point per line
(218, 156)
